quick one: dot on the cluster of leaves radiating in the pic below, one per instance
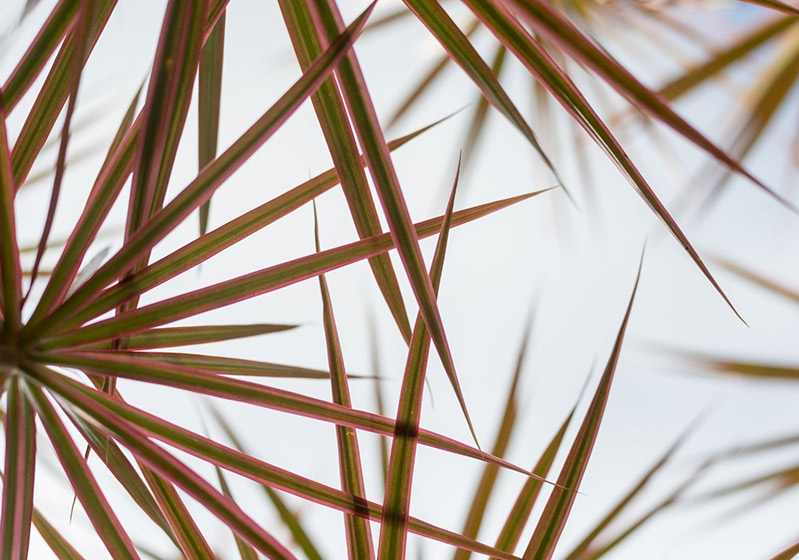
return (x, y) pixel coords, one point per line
(62, 351)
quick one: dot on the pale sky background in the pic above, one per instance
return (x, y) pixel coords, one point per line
(575, 266)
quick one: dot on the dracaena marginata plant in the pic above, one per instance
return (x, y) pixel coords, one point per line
(78, 330)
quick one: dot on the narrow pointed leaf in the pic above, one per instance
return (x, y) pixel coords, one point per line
(106, 189)
(88, 492)
(399, 477)
(209, 94)
(488, 478)
(739, 50)
(57, 543)
(298, 533)
(234, 366)
(20, 466)
(603, 550)
(172, 469)
(761, 280)
(535, 58)
(426, 82)
(123, 470)
(380, 406)
(553, 519)
(636, 490)
(190, 539)
(776, 5)
(246, 551)
(774, 86)
(94, 402)
(384, 176)
(80, 37)
(243, 287)
(749, 369)
(550, 23)
(212, 176)
(39, 51)
(10, 270)
(332, 116)
(436, 19)
(359, 534)
(212, 243)
(186, 336)
(51, 98)
(198, 381)
(517, 519)
(477, 124)
(165, 108)
(787, 554)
